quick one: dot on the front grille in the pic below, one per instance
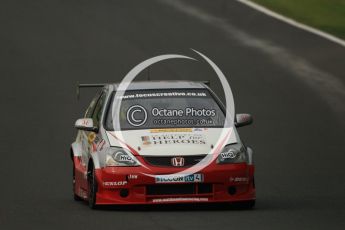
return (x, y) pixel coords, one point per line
(178, 189)
(166, 161)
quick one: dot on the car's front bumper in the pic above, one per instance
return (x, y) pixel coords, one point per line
(136, 185)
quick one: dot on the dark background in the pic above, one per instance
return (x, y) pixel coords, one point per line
(290, 80)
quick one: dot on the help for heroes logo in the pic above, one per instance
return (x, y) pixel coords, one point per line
(161, 139)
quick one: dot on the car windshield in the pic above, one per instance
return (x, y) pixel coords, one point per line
(166, 108)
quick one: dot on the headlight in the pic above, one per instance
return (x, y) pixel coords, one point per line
(233, 154)
(120, 157)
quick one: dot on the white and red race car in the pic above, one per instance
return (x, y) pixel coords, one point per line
(166, 147)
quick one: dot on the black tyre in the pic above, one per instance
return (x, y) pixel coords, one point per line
(245, 205)
(92, 188)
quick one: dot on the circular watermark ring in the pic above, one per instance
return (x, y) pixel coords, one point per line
(131, 115)
(227, 130)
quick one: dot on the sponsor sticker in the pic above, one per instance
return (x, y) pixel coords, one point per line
(229, 155)
(125, 158)
(146, 140)
(171, 130)
(165, 139)
(114, 183)
(179, 178)
(179, 199)
(164, 94)
(132, 177)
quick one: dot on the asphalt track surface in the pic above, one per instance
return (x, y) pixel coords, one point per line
(290, 80)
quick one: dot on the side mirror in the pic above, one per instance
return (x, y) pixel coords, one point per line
(85, 124)
(243, 119)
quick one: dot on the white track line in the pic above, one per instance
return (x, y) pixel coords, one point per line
(326, 85)
(293, 22)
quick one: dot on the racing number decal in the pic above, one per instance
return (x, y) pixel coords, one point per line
(198, 178)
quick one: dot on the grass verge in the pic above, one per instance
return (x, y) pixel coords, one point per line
(326, 15)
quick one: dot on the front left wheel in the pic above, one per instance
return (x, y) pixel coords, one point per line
(92, 188)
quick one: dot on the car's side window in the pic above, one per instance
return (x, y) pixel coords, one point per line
(96, 116)
(91, 108)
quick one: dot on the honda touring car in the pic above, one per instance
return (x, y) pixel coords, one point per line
(160, 142)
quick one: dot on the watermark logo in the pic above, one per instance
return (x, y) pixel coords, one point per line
(136, 115)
